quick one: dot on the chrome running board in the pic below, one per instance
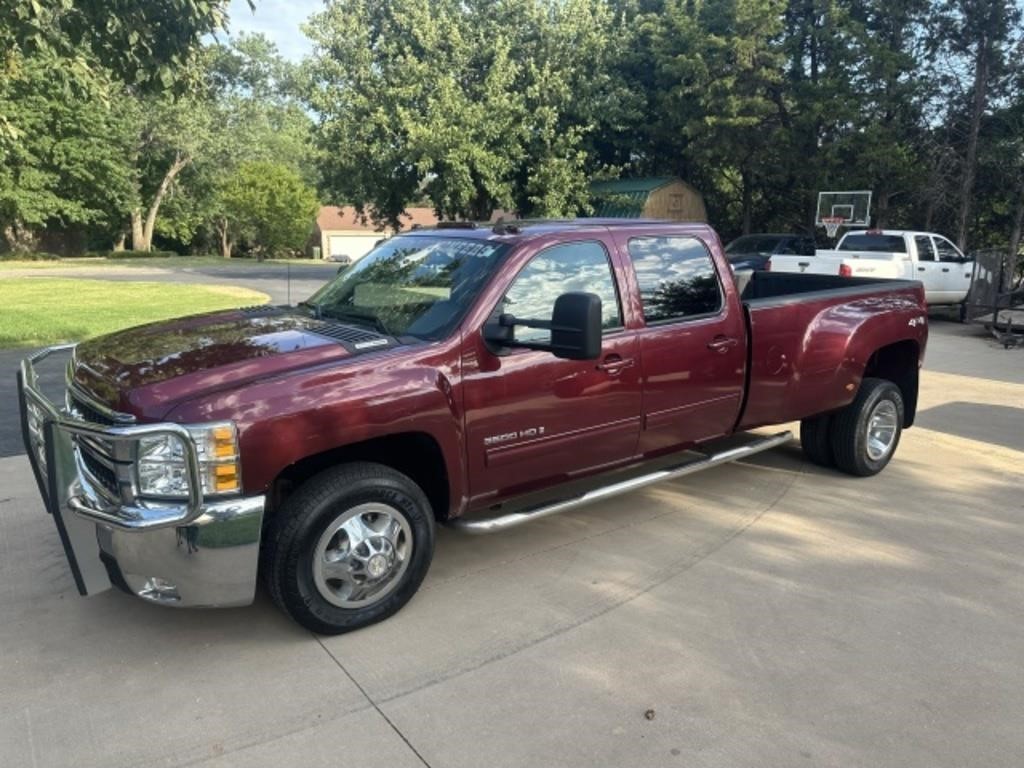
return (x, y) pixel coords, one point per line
(512, 519)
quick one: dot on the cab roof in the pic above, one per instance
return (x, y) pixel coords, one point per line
(522, 229)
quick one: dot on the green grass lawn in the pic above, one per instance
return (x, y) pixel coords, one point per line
(45, 310)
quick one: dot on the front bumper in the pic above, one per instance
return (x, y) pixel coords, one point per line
(201, 552)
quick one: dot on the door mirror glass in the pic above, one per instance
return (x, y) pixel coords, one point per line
(575, 328)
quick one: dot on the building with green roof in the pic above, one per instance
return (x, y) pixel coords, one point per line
(662, 197)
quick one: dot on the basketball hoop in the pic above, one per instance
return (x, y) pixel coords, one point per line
(832, 224)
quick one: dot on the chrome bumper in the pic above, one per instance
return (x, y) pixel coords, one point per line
(197, 553)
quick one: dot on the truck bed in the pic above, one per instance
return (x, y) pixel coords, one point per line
(762, 287)
(810, 334)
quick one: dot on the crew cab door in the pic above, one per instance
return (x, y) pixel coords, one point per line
(927, 269)
(693, 342)
(533, 420)
(955, 271)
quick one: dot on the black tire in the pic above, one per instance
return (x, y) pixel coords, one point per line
(961, 312)
(816, 440)
(850, 428)
(290, 543)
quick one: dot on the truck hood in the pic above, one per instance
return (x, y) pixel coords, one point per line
(146, 371)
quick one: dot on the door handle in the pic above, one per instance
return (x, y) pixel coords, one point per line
(722, 344)
(945, 269)
(614, 365)
(920, 269)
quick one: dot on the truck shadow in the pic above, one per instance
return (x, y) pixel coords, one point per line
(995, 424)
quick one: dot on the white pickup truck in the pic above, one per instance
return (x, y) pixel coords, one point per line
(894, 253)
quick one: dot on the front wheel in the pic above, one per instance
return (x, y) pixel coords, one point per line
(865, 433)
(349, 548)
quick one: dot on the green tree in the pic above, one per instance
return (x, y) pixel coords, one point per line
(717, 67)
(257, 117)
(244, 111)
(169, 135)
(140, 42)
(269, 206)
(69, 166)
(473, 105)
(145, 45)
(882, 151)
(977, 41)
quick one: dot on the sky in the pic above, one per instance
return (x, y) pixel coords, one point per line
(279, 20)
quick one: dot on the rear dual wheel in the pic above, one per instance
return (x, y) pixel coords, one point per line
(861, 438)
(816, 440)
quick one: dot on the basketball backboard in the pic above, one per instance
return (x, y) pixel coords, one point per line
(854, 208)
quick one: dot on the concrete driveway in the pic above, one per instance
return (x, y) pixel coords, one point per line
(767, 613)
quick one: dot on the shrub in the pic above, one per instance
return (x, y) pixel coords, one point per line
(29, 256)
(133, 254)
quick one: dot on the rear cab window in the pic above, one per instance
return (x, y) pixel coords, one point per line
(749, 244)
(876, 243)
(677, 278)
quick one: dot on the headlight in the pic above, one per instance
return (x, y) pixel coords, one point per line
(160, 464)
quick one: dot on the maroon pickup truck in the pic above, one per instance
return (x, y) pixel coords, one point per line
(475, 376)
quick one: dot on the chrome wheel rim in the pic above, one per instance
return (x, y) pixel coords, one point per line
(881, 430)
(361, 556)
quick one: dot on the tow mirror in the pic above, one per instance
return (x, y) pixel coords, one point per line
(575, 327)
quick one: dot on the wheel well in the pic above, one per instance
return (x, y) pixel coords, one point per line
(898, 363)
(415, 454)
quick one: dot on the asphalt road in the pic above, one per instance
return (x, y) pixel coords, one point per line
(284, 283)
(766, 613)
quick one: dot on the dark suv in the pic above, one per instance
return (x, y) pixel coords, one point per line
(755, 251)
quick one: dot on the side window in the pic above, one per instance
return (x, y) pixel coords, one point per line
(677, 278)
(925, 252)
(789, 248)
(552, 272)
(947, 251)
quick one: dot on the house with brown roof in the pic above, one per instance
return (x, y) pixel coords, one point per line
(341, 231)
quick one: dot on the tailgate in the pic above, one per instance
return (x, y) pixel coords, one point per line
(811, 265)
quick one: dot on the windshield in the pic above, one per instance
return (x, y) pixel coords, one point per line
(413, 285)
(874, 243)
(753, 244)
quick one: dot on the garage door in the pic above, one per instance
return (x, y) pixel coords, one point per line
(336, 245)
(353, 246)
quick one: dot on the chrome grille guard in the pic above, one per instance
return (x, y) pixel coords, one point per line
(50, 434)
